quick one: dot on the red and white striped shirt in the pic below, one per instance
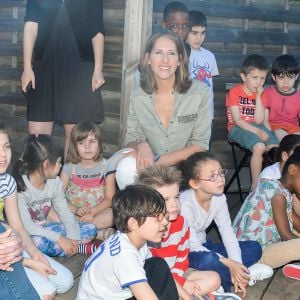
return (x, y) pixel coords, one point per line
(175, 248)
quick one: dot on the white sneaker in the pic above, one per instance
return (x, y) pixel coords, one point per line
(259, 272)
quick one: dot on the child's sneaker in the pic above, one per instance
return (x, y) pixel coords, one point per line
(220, 296)
(292, 271)
(259, 272)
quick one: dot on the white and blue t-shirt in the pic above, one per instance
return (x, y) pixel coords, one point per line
(112, 269)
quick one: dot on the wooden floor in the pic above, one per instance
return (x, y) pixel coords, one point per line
(276, 288)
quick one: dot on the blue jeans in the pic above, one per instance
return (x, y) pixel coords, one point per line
(15, 285)
(209, 261)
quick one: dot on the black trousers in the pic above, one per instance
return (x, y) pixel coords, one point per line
(160, 279)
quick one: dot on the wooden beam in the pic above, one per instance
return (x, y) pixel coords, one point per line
(137, 28)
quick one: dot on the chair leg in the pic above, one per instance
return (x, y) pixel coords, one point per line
(235, 175)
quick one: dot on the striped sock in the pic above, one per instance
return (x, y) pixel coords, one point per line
(89, 248)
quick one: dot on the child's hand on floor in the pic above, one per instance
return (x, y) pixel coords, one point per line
(83, 210)
(262, 135)
(68, 245)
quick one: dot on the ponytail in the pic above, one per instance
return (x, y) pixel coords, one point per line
(38, 148)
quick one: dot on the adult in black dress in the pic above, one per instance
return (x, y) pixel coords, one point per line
(63, 60)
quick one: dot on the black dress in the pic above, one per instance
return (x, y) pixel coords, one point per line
(63, 92)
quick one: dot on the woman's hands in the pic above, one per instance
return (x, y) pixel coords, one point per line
(27, 78)
(10, 249)
(144, 156)
(97, 80)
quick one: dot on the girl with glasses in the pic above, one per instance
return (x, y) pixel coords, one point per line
(203, 203)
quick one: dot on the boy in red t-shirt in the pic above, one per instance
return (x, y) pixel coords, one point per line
(283, 100)
(245, 112)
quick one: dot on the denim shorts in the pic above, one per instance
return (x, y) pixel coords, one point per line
(248, 139)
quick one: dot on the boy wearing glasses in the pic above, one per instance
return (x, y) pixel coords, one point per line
(175, 245)
(176, 19)
(283, 100)
(202, 62)
(121, 268)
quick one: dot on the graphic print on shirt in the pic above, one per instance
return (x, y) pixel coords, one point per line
(202, 73)
(39, 209)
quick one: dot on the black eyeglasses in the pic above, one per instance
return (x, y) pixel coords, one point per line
(184, 27)
(160, 216)
(214, 177)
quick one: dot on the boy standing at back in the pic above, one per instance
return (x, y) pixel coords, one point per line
(202, 62)
(120, 268)
(176, 19)
(245, 112)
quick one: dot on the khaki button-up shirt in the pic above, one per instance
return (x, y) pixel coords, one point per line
(190, 123)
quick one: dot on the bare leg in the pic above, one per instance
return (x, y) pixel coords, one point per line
(209, 281)
(40, 127)
(68, 130)
(104, 219)
(281, 253)
(280, 133)
(256, 162)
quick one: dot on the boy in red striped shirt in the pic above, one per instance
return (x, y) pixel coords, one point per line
(175, 247)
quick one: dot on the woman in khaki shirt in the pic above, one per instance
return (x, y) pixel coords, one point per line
(169, 117)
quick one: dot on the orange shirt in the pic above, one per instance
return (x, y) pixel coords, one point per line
(246, 103)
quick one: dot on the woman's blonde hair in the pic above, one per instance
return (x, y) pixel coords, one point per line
(182, 81)
(78, 134)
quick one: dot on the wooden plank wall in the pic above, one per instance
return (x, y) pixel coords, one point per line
(237, 28)
(12, 102)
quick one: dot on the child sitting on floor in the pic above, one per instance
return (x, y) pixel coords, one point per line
(175, 246)
(283, 100)
(245, 112)
(122, 268)
(39, 190)
(47, 276)
(204, 203)
(89, 179)
(267, 216)
(282, 153)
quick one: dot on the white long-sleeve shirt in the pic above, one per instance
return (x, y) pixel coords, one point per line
(199, 220)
